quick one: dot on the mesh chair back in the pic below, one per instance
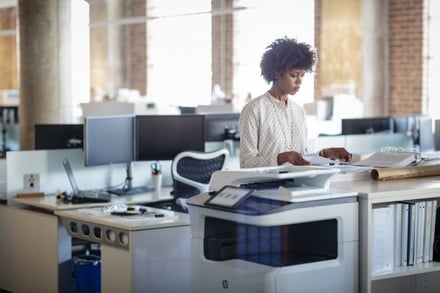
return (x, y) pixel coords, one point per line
(192, 171)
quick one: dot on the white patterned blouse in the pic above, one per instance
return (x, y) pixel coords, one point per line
(268, 127)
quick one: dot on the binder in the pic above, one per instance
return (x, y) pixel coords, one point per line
(434, 221)
(397, 233)
(412, 217)
(420, 232)
(427, 241)
(404, 240)
(383, 238)
(436, 246)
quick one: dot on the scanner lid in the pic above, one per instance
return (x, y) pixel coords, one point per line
(302, 176)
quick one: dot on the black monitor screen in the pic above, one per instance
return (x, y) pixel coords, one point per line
(366, 125)
(58, 136)
(108, 139)
(162, 137)
(219, 126)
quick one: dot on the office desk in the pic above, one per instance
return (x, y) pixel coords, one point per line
(36, 247)
(139, 253)
(51, 204)
(35, 252)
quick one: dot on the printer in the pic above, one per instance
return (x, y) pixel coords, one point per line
(276, 229)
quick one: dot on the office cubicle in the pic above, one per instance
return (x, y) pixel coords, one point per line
(361, 144)
(417, 128)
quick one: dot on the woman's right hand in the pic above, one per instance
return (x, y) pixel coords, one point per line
(292, 157)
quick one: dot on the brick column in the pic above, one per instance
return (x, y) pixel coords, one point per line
(222, 46)
(407, 63)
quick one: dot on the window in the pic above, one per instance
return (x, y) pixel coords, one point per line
(433, 59)
(179, 52)
(8, 50)
(269, 20)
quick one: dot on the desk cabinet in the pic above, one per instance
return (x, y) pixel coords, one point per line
(35, 252)
(138, 253)
(158, 260)
(36, 249)
(423, 277)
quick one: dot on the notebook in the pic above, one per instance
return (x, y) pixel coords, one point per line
(86, 195)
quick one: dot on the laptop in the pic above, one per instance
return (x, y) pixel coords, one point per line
(82, 196)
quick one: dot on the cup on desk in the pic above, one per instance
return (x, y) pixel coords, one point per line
(156, 176)
(156, 182)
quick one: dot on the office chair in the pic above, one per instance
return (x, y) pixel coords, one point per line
(191, 172)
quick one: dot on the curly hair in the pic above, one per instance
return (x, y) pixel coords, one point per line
(284, 54)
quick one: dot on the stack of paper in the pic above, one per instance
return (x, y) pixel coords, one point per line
(388, 159)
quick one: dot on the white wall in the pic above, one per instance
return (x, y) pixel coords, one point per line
(53, 178)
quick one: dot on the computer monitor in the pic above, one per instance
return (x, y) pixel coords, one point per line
(419, 127)
(108, 140)
(403, 124)
(366, 125)
(219, 127)
(437, 135)
(58, 136)
(426, 134)
(162, 137)
(111, 140)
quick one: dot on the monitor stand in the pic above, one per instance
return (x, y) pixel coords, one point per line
(128, 188)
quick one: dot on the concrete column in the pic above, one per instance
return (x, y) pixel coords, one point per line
(375, 91)
(45, 87)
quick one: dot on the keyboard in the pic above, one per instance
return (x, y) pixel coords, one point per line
(131, 191)
(91, 197)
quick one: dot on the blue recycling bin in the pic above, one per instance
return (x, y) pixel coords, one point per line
(87, 274)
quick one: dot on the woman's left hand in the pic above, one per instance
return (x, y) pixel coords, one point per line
(336, 154)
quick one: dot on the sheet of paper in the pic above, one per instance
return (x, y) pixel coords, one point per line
(320, 161)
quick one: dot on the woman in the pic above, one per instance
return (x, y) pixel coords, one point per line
(273, 127)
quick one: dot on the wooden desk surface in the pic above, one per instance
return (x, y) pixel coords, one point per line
(99, 217)
(51, 203)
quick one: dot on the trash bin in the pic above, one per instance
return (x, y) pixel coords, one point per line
(87, 274)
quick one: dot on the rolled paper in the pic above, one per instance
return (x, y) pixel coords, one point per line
(405, 172)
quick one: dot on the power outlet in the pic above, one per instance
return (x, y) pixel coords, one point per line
(31, 182)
